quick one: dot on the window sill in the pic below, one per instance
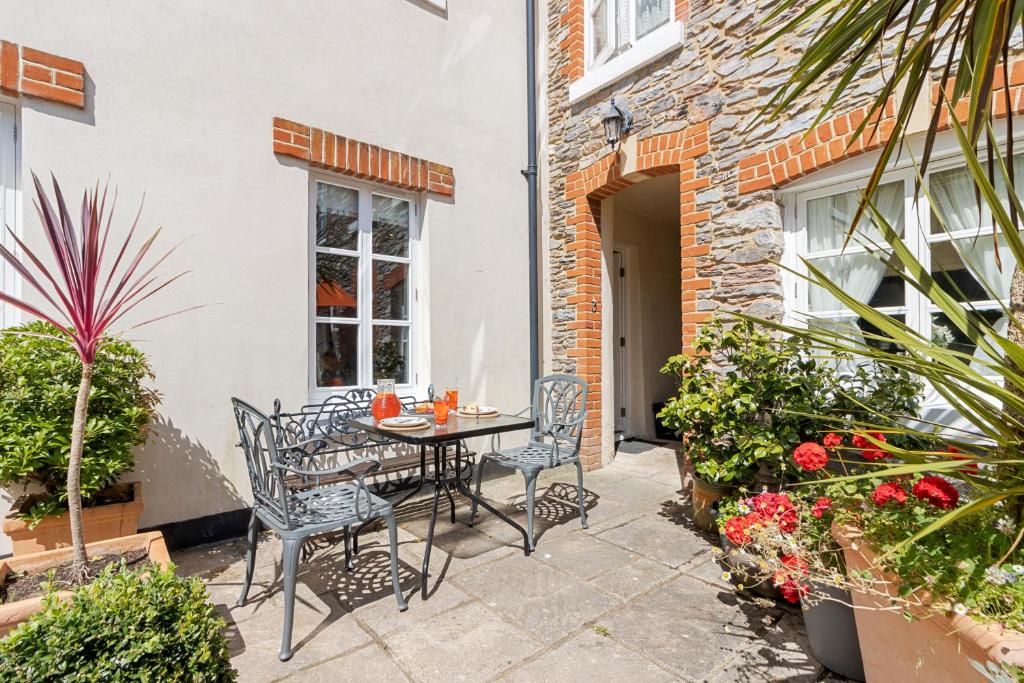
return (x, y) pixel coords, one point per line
(657, 44)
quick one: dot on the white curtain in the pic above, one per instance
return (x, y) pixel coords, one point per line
(858, 273)
(953, 199)
(980, 253)
(650, 14)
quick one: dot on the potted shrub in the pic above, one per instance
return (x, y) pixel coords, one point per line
(38, 383)
(86, 293)
(780, 545)
(141, 624)
(739, 409)
(24, 578)
(962, 585)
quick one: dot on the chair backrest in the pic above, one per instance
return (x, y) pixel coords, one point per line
(259, 443)
(559, 408)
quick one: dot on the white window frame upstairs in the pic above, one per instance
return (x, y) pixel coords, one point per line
(10, 206)
(612, 64)
(364, 296)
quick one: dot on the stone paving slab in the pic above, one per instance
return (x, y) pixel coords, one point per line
(636, 596)
(590, 658)
(543, 601)
(468, 643)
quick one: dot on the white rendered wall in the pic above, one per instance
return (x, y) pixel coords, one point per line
(180, 97)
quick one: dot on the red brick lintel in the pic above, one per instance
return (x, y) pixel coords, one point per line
(832, 141)
(360, 159)
(25, 71)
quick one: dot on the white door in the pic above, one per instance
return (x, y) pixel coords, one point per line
(619, 318)
(8, 206)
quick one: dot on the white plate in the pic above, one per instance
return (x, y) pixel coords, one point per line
(480, 410)
(403, 421)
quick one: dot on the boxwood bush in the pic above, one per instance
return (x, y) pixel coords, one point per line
(144, 624)
(39, 377)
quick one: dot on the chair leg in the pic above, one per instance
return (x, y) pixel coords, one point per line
(479, 474)
(579, 482)
(393, 540)
(531, 490)
(348, 550)
(250, 556)
(292, 546)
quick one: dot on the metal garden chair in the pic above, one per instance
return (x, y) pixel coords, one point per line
(559, 409)
(297, 514)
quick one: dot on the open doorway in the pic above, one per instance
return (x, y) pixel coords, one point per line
(645, 288)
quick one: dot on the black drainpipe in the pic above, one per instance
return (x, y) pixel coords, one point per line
(531, 183)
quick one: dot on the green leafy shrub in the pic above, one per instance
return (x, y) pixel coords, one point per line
(747, 399)
(39, 377)
(138, 625)
(741, 396)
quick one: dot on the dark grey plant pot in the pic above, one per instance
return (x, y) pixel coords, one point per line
(744, 569)
(832, 631)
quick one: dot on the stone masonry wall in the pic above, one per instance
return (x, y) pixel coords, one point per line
(729, 240)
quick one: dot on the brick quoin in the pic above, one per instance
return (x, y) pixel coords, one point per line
(26, 71)
(656, 155)
(832, 141)
(337, 153)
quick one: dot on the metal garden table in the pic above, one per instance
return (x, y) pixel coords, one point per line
(440, 438)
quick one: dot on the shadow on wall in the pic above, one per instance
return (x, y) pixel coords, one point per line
(178, 471)
(85, 115)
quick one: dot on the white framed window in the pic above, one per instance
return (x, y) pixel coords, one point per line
(363, 248)
(621, 36)
(817, 222)
(617, 25)
(9, 200)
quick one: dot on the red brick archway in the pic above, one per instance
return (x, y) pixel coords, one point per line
(657, 155)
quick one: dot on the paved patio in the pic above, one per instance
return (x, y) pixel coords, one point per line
(636, 596)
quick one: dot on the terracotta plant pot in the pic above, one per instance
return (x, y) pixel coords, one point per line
(13, 613)
(832, 632)
(686, 473)
(705, 495)
(934, 647)
(99, 523)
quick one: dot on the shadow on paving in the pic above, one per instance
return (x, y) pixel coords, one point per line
(558, 505)
(325, 592)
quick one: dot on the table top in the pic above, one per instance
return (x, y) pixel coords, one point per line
(457, 428)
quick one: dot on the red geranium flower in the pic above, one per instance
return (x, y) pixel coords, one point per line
(821, 506)
(936, 491)
(832, 440)
(889, 491)
(792, 591)
(810, 456)
(870, 451)
(795, 562)
(736, 531)
(777, 508)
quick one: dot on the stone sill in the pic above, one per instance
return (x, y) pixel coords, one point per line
(657, 44)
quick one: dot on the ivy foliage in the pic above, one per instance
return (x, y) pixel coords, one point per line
(39, 378)
(144, 624)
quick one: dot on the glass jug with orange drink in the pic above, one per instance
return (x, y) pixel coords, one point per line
(385, 403)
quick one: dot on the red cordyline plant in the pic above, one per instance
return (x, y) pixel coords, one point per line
(87, 297)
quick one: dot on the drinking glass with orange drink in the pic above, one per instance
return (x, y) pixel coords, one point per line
(452, 396)
(441, 411)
